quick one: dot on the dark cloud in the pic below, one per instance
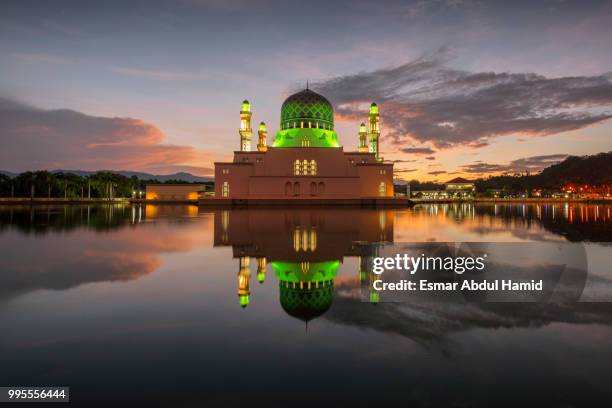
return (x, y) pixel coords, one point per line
(425, 101)
(48, 139)
(402, 161)
(430, 158)
(418, 150)
(436, 172)
(525, 164)
(399, 171)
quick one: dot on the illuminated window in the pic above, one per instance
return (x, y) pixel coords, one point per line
(297, 168)
(225, 189)
(243, 124)
(382, 189)
(305, 168)
(304, 240)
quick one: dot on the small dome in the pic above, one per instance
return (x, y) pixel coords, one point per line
(245, 107)
(307, 106)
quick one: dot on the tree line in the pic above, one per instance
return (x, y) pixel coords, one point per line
(45, 184)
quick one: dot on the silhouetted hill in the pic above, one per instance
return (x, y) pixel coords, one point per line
(596, 169)
(182, 176)
(591, 170)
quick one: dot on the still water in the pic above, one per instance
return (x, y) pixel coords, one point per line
(180, 306)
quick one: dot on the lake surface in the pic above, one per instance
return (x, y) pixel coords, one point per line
(180, 306)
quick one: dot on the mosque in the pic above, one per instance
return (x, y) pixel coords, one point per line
(305, 160)
(305, 250)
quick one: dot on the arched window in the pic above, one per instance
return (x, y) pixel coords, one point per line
(382, 189)
(313, 188)
(321, 188)
(225, 189)
(288, 188)
(313, 168)
(296, 189)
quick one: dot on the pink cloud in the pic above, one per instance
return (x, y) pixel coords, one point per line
(48, 139)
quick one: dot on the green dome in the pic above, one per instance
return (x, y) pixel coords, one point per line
(306, 288)
(306, 304)
(307, 106)
(296, 272)
(307, 120)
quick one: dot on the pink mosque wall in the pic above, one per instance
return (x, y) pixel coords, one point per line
(271, 174)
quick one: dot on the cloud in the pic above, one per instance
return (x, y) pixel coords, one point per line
(424, 101)
(399, 171)
(437, 172)
(34, 138)
(418, 150)
(430, 158)
(127, 252)
(526, 164)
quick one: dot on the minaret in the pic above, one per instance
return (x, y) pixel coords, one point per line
(245, 127)
(374, 130)
(261, 269)
(263, 134)
(363, 138)
(244, 276)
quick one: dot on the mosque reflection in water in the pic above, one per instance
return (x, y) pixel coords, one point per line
(304, 249)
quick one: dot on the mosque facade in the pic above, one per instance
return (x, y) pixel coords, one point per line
(305, 159)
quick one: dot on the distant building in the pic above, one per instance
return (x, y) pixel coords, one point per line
(588, 192)
(305, 159)
(174, 192)
(460, 188)
(430, 194)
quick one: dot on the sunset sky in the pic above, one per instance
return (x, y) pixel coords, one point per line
(466, 88)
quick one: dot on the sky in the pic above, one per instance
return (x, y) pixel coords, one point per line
(465, 88)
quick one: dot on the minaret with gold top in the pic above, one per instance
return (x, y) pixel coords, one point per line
(261, 269)
(374, 130)
(363, 138)
(262, 146)
(245, 127)
(244, 277)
